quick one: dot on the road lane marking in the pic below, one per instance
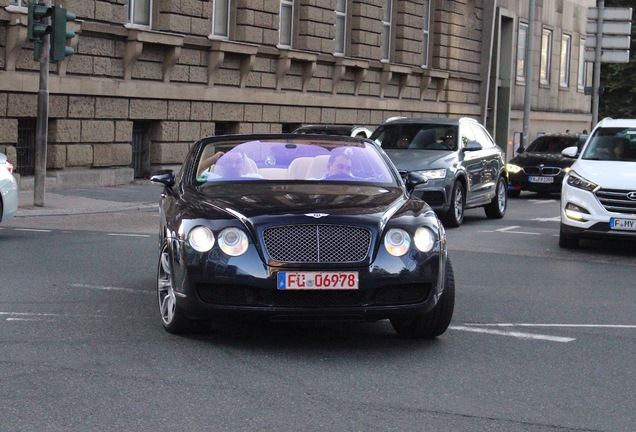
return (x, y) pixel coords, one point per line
(542, 201)
(618, 326)
(552, 219)
(111, 288)
(128, 235)
(515, 334)
(510, 229)
(32, 230)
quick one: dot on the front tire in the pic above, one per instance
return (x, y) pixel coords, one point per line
(173, 318)
(567, 241)
(455, 215)
(496, 209)
(436, 321)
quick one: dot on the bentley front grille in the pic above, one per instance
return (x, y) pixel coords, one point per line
(317, 243)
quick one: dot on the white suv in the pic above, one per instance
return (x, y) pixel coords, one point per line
(598, 196)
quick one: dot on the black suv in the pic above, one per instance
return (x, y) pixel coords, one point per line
(464, 166)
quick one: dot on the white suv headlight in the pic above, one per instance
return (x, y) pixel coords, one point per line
(579, 182)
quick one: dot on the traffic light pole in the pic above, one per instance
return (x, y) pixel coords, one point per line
(41, 130)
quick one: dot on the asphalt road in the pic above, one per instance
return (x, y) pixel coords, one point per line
(542, 340)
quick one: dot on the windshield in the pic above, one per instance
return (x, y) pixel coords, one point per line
(618, 144)
(417, 136)
(554, 144)
(301, 159)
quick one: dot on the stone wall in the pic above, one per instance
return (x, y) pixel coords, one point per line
(179, 83)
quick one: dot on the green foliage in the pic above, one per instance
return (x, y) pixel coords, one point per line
(618, 94)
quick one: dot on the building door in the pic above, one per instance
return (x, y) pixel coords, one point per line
(500, 88)
(25, 147)
(141, 150)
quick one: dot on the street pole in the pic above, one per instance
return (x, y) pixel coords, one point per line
(596, 86)
(527, 98)
(41, 128)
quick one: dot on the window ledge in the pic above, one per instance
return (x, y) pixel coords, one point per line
(360, 68)
(285, 58)
(216, 55)
(389, 70)
(135, 40)
(428, 76)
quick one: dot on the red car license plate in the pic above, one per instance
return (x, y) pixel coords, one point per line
(317, 280)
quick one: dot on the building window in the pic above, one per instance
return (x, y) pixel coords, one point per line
(139, 12)
(386, 30)
(566, 49)
(522, 39)
(286, 23)
(582, 66)
(341, 26)
(221, 19)
(19, 3)
(426, 32)
(546, 54)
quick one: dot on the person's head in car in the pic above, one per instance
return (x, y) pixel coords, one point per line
(339, 163)
(231, 164)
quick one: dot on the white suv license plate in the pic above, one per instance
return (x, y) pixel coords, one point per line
(536, 179)
(623, 224)
(318, 280)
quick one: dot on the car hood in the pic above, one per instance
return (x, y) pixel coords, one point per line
(257, 202)
(417, 160)
(608, 174)
(548, 159)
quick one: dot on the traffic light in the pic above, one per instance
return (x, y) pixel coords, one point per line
(59, 34)
(36, 27)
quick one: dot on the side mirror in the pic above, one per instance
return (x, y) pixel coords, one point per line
(521, 149)
(571, 152)
(414, 179)
(164, 178)
(473, 146)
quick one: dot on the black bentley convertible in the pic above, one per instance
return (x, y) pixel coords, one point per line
(299, 227)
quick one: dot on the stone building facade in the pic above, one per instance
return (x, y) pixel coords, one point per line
(149, 77)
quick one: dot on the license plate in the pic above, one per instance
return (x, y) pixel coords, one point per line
(536, 179)
(317, 280)
(623, 224)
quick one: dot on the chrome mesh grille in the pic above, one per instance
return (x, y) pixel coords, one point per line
(317, 243)
(546, 171)
(616, 201)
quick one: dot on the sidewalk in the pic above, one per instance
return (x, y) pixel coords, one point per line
(137, 196)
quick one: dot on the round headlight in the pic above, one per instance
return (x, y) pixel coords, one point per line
(201, 239)
(397, 241)
(424, 239)
(233, 241)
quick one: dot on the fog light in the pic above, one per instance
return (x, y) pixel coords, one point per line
(574, 212)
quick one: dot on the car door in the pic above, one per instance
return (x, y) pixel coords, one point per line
(472, 162)
(491, 162)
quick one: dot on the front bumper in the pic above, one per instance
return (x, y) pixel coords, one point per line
(212, 284)
(593, 224)
(521, 181)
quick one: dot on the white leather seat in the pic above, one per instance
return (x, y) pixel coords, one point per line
(318, 167)
(298, 168)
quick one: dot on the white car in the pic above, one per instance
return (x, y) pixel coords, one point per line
(8, 190)
(598, 196)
